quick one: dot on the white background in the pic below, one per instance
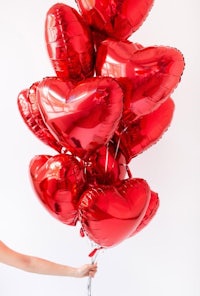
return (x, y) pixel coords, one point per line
(161, 260)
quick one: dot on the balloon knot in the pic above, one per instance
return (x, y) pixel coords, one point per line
(94, 251)
(82, 234)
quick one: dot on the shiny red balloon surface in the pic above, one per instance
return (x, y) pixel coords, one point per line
(150, 213)
(28, 108)
(58, 181)
(109, 214)
(82, 118)
(115, 18)
(69, 43)
(147, 75)
(107, 165)
(138, 135)
(109, 102)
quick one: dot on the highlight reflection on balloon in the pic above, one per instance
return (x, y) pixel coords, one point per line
(150, 213)
(109, 214)
(148, 75)
(107, 165)
(28, 108)
(115, 18)
(138, 135)
(58, 182)
(82, 118)
(69, 43)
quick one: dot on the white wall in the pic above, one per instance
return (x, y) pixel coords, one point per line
(164, 258)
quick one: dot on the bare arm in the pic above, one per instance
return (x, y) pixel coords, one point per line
(42, 266)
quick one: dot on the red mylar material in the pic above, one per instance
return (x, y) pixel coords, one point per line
(147, 75)
(83, 118)
(109, 214)
(106, 166)
(115, 18)
(58, 181)
(138, 135)
(69, 43)
(28, 108)
(150, 213)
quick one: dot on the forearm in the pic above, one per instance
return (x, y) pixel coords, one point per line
(34, 264)
(42, 266)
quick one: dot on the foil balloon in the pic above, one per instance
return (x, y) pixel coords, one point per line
(136, 136)
(69, 43)
(109, 214)
(115, 18)
(28, 108)
(106, 166)
(58, 182)
(150, 213)
(148, 75)
(109, 102)
(83, 118)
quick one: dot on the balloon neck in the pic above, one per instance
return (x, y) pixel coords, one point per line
(94, 251)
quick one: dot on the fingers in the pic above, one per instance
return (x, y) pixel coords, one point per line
(87, 270)
(92, 269)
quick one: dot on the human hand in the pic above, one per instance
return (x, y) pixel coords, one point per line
(87, 270)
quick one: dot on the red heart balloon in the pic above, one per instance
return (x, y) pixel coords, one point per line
(27, 105)
(138, 135)
(58, 182)
(83, 118)
(150, 213)
(69, 43)
(115, 18)
(106, 166)
(147, 75)
(110, 214)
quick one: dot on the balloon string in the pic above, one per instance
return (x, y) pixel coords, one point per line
(118, 142)
(89, 286)
(106, 160)
(93, 256)
(117, 149)
(129, 172)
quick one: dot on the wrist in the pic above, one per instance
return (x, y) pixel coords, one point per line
(74, 272)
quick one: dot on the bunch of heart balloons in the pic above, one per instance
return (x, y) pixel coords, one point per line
(109, 101)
